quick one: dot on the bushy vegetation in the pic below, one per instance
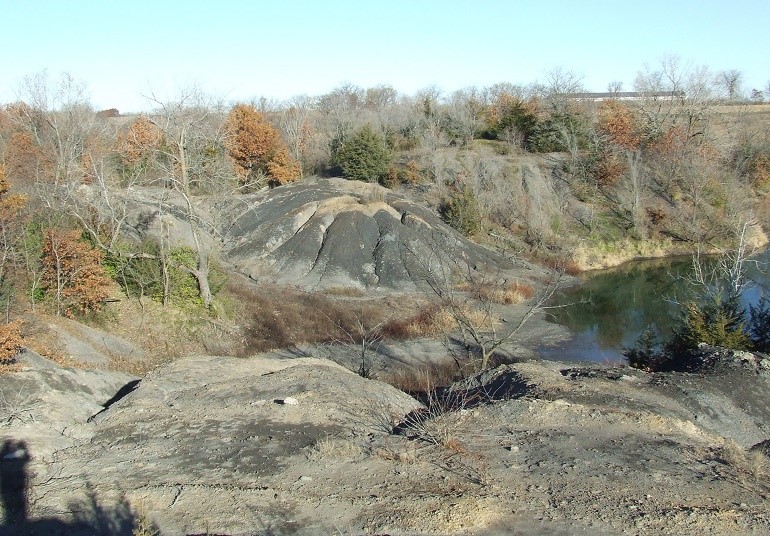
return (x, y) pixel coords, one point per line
(11, 343)
(73, 277)
(256, 149)
(759, 325)
(551, 171)
(363, 156)
(716, 322)
(719, 323)
(461, 211)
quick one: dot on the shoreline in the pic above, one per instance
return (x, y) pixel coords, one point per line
(605, 256)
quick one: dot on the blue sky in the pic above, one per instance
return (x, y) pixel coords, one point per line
(239, 50)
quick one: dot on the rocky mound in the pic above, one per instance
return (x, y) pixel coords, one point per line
(302, 446)
(329, 233)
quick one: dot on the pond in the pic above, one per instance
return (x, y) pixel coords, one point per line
(608, 310)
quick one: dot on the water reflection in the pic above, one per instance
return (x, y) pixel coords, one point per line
(608, 310)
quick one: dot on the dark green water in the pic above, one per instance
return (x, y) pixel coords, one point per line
(608, 310)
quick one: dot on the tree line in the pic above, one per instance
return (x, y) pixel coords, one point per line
(614, 170)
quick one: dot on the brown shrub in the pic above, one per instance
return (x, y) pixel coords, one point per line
(425, 379)
(11, 343)
(429, 321)
(281, 317)
(508, 293)
(568, 266)
(73, 274)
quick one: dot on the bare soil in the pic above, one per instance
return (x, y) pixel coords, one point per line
(277, 444)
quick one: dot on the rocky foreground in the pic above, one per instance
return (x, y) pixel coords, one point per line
(211, 445)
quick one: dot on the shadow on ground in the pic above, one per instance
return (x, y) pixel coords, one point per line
(90, 517)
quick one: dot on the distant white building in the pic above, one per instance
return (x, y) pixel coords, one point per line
(626, 95)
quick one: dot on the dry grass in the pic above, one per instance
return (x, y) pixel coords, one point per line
(41, 340)
(329, 447)
(423, 380)
(373, 194)
(430, 320)
(391, 455)
(138, 367)
(567, 266)
(251, 320)
(281, 317)
(752, 464)
(345, 292)
(163, 334)
(505, 294)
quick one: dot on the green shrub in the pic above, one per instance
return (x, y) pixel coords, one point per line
(139, 270)
(462, 211)
(716, 322)
(554, 133)
(515, 117)
(759, 325)
(364, 156)
(647, 353)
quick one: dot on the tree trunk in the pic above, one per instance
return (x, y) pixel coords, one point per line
(202, 276)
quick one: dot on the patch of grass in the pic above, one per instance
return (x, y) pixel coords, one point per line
(425, 379)
(568, 266)
(329, 447)
(391, 455)
(507, 293)
(751, 465)
(276, 317)
(345, 292)
(430, 320)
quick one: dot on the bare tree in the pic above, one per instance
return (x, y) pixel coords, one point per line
(482, 330)
(464, 115)
(615, 87)
(559, 84)
(381, 96)
(675, 93)
(294, 122)
(730, 83)
(191, 126)
(62, 123)
(364, 339)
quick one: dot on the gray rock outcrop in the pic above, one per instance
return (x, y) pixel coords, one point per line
(328, 233)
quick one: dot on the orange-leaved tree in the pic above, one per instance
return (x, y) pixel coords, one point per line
(11, 231)
(73, 274)
(619, 124)
(136, 146)
(256, 148)
(11, 343)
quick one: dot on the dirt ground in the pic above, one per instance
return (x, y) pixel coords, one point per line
(277, 445)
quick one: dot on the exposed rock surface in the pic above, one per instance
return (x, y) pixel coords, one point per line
(335, 232)
(302, 446)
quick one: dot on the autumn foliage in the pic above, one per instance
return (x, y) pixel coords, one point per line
(11, 343)
(26, 162)
(620, 133)
(10, 204)
(139, 142)
(617, 122)
(72, 273)
(256, 148)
